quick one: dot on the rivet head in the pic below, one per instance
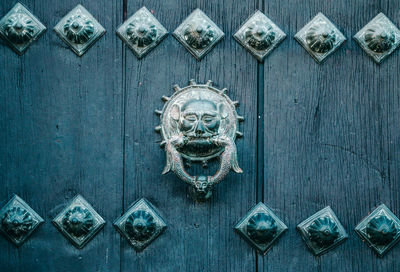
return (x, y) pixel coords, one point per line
(322, 231)
(379, 38)
(142, 32)
(380, 230)
(198, 33)
(320, 37)
(79, 222)
(261, 227)
(141, 224)
(79, 30)
(18, 220)
(259, 35)
(19, 28)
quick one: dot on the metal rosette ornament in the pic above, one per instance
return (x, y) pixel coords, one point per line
(199, 123)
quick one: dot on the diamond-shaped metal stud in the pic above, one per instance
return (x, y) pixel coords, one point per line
(261, 227)
(259, 35)
(18, 220)
(142, 32)
(79, 29)
(381, 230)
(79, 222)
(19, 28)
(198, 33)
(379, 38)
(322, 231)
(320, 37)
(141, 224)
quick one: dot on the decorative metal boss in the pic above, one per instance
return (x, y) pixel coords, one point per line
(379, 38)
(261, 227)
(320, 37)
(381, 230)
(142, 32)
(322, 231)
(18, 220)
(79, 30)
(199, 123)
(20, 28)
(259, 35)
(198, 33)
(141, 224)
(79, 222)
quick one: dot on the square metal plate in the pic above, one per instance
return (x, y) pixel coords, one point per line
(142, 32)
(198, 34)
(141, 224)
(18, 220)
(320, 37)
(261, 227)
(322, 231)
(259, 35)
(79, 222)
(20, 28)
(79, 30)
(379, 38)
(380, 229)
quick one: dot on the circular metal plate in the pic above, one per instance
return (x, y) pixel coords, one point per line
(199, 149)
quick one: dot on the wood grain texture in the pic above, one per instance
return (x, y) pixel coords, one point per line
(331, 135)
(327, 134)
(61, 124)
(199, 237)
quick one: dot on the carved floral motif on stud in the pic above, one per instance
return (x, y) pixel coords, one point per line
(320, 37)
(79, 222)
(261, 227)
(142, 32)
(381, 230)
(379, 38)
(19, 28)
(141, 224)
(259, 35)
(199, 123)
(322, 231)
(198, 33)
(18, 220)
(79, 30)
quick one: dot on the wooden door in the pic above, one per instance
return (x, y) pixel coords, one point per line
(314, 135)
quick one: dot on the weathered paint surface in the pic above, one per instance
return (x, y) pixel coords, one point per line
(314, 135)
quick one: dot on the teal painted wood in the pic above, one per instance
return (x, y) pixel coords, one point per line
(199, 237)
(330, 135)
(61, 134)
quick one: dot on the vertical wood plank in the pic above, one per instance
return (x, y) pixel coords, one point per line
(61, 135)
(85, 125)
(199, 237)
(330, 135)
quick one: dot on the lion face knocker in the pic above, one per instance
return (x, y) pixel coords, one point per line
(199, 123)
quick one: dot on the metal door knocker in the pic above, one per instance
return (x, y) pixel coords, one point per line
(199, 123)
